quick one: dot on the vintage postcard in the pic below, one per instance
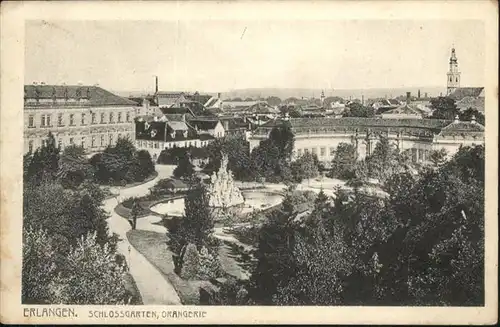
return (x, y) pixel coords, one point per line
(249, 162)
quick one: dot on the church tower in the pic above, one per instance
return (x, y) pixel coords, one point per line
(322, 98)
(453, 74)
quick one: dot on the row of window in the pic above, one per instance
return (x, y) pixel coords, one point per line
(94, 141)
(45, 119)
(322, 151)
(156, 145)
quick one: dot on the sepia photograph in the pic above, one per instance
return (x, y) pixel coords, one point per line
(252, 162)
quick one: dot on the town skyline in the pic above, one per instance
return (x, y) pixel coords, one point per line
(186, 60)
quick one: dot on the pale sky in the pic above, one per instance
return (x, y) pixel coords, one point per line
(213, 56)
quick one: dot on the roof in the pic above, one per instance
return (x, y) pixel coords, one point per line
(210, 102)
(177, 125)
(177, 110)
(204, 124)
(462, 127)
(471, 102)
(94, 95)
(463, 92)
(427, 127)
(169, 94)
(174, 117)
(201, 98)
(404, 110)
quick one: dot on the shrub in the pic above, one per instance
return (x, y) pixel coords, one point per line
(190, 262)
(210, 266)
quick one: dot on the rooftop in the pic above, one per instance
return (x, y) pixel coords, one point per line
(93, 96)
(463, 92)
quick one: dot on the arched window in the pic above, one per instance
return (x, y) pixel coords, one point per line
(456, 80)
(450, 78)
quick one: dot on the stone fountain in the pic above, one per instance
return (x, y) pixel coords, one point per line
(222, 191)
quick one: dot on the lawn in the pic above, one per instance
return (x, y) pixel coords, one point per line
(153, 246)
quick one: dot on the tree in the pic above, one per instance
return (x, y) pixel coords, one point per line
(304, 167)
(74, 151)
(66, 214)
(344, 161)
(271, 159)
(274, 254)
(90, 275)
(467, 115)
(238, 151)
(44, 163)
(197, 224)
(74, 168)
(184, 169)
(39, 266)
(273, 101)
(444, 108)
(438, 157)
(190, 262)
(355, 109)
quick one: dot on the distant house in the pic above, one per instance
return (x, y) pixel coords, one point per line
(208, 126)
(169, 99)
(469, 97)
(403, 111)
(171, 130)
(386, 104)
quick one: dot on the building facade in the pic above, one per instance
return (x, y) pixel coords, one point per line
(321, 136)
(88, 116)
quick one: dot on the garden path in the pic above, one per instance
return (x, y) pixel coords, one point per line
(153, 287)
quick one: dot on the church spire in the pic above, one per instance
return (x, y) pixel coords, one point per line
(453, 75)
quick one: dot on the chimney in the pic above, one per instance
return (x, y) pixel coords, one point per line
(419, 93)
(408, 97)
(426, 95)
(156, 84)
(218, 95)
(363, 100)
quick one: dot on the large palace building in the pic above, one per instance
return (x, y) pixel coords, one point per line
(76, 114)
(321, 136)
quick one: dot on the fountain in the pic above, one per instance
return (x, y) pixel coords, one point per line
(222, 190)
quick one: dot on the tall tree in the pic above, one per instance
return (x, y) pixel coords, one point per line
(44, 163)
(274, 254)
(344, 161)
(184, 169)
(355, 109)
(444, 108)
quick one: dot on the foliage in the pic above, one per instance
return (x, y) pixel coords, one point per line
(231, 292)
(44, 163)
(237, 149)
(273, 101)
(355, 109)
(304, 167)
(85, 274)
(74, 168)
(197, 224)
(467, 115)
(210, 266)
(275, 262)
(423, 245)
(271, 159)
(386, 160)
(90, 275)
(190, 262)
(443, 108)
(38, 266)
(184, 169)
(438, 157)
(121, 164)
(344, 161)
